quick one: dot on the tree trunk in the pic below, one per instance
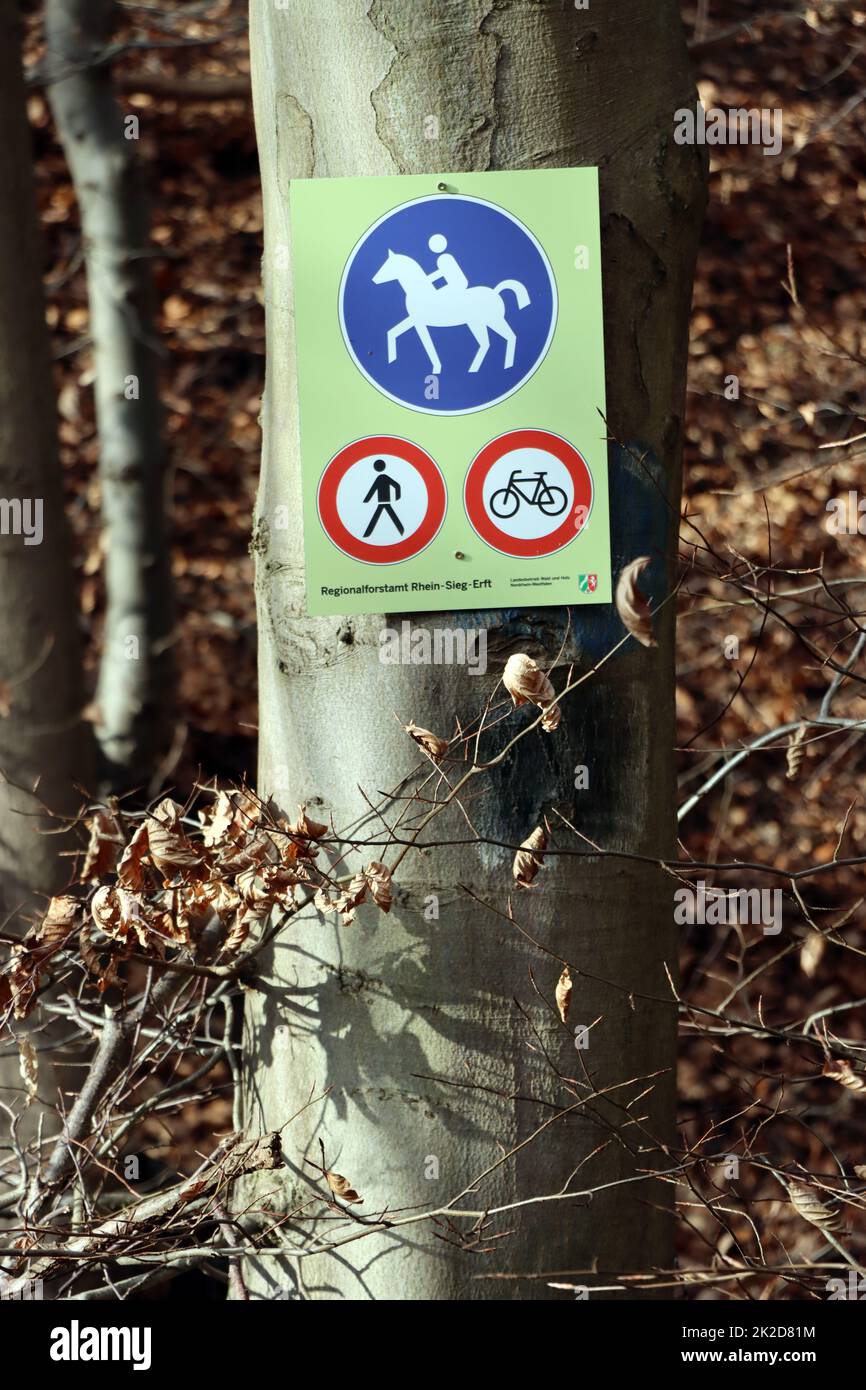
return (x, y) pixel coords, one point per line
(45, 745)
(429, 1033)
(134, 695)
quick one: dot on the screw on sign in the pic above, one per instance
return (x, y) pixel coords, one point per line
(528, 493)
(381, 500)
(454, 287)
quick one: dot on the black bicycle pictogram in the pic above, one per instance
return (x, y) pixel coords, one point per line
(504, 503)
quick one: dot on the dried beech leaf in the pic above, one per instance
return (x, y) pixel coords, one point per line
(796, 753)
(171, 851)
(809, 1205)
(220, 896)
(237, 934)
(167, 813)
(564, 988)
(28, 1064)
(103, 848)
(101, 962)
(812, 953)
(378, 879)
(217, 819)
(840, 1070)
(632, 605)
(342, 1188)
(431, 743)
(344, 903)
(64, 915)
(23, 979)
(550, 719)
(525, 682)
(118, 914)
(130, 870)
(308, 828)
(529, 858)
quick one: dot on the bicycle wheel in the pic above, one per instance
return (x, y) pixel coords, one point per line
(549, 501)
(504, 503)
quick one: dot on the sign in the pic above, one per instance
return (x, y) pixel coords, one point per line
(528, 493)
(511, 279)
(451, 391)
(381, 500)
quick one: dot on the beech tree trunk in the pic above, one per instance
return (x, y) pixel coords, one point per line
(135, 689)
(45, 745)
(429, 1034)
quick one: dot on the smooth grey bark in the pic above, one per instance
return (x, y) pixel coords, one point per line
(45, 744)
(135, 689)
(377, 1011)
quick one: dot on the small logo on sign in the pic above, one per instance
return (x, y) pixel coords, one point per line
(587, 583)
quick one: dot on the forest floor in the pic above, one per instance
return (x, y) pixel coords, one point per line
(758, 476)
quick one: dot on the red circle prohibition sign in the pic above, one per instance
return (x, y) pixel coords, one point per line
(483, 523)
(407, 546)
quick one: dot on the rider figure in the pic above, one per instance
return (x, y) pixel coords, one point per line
(447, 268)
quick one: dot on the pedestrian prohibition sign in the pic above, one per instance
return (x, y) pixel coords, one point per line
(381, 500)
(451, 390)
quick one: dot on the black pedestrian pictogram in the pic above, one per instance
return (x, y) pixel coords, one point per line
(381, 489)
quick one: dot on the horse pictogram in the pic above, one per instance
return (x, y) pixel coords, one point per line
(480, 307)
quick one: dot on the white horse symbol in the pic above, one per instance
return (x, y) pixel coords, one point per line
(479, 307)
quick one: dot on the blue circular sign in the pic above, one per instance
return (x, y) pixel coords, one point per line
(448, 304)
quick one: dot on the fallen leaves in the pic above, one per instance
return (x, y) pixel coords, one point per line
(632, 605)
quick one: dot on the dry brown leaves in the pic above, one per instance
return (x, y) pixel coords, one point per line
(840, 1070)
(529, 858)
(431, 743)
(63, 917)
(341, 1187)
(526, 683)
(632, 605)
(796, 752)
(809, 1205)
(28, 1064)
(374, 880)
(157, 883)
(564, 987)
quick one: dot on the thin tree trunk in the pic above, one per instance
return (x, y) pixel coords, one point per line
(376, 1012)
(45, 745)
(135, 690)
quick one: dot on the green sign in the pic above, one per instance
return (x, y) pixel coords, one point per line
(451, 389)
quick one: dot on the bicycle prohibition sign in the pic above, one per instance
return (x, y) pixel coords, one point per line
(528, 493)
